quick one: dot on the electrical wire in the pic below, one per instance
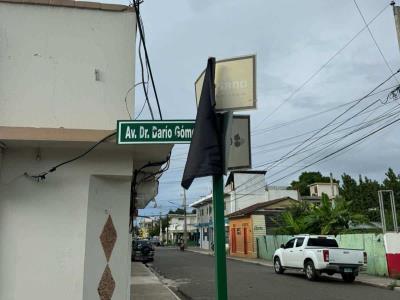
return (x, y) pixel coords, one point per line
(146, 94)
(391, 114)
(346, 147)
(360, 99)
(374, 40)
(313, 75)
(336, 118)
(137, 3)
(126, 97)
(42, 176)
(317, 114)
(339, 150)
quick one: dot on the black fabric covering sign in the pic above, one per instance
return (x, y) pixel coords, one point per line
(205, 156)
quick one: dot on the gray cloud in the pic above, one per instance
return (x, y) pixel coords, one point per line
(292, 39)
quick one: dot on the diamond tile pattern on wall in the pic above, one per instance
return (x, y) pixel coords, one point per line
(106, 285)
(108, 237)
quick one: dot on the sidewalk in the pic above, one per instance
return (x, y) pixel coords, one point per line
(382, 282)
(145, 285)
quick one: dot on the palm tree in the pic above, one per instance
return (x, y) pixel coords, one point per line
(326, 218)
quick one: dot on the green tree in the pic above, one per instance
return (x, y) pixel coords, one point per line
(392, 182)
(307, 178)
(325, 218)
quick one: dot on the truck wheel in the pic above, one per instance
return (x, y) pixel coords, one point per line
(348, 277)
(277, 266)
(310, 271)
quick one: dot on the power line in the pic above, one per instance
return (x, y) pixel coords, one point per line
(328, 124)
(337, 117)
(339, 150)
(42, 176)
(313, 75)
(395, 113)
(327, 156)
(307, 117)
(141, 33)
(373, 38)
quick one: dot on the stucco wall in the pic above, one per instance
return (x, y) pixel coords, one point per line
(108, 196)
(43, 224)
(48, 58)
(249, 189)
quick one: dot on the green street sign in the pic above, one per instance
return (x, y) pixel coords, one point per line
(155, 132)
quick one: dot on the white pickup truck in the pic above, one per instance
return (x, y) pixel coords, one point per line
(319, 254)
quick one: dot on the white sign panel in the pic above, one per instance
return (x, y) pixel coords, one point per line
(240, 144)
(235, 84)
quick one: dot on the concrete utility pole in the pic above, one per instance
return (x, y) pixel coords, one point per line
(166, 230)
(160, 229)
(332, 191)
(185, 219)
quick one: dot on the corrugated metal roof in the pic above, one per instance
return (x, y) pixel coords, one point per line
(74, 4)
(253, 208)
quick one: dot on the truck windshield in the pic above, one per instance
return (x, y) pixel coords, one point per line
(318, 242)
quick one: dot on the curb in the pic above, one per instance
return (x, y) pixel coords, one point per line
(158, 277)
(267, 264)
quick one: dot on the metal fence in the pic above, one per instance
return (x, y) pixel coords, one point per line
(371, 243)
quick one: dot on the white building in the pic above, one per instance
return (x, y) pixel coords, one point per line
(176, 227)
(204, 225)
(247, 188)
(65, 68)
(319, 188)
(242, 189)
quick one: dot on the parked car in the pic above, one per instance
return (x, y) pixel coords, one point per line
(319, 254)
(142, 250)
(155, 241)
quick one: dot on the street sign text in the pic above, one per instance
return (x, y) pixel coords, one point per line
(155, 132)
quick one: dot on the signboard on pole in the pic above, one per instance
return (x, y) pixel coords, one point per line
(235, 84)
(155, 132)
(239, 143)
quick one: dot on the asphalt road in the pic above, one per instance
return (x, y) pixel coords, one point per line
(192, 275)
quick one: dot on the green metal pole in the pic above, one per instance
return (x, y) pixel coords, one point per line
(219, 238)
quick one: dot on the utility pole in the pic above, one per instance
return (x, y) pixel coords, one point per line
(166, 230)
(332, 190)
(185, 219)
(160, 229)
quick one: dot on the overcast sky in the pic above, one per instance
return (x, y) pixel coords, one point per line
(292, 40)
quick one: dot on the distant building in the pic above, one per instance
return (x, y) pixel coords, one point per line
(246, 188)
(247, 224)
(242, 189)
(176, 227)
(319, 188)
(146, 225)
